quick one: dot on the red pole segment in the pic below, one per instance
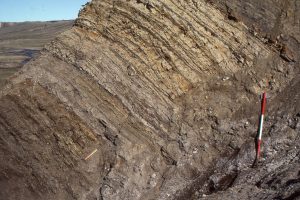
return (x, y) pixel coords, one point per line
(263, 107)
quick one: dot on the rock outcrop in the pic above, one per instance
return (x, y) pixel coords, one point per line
(166, 92)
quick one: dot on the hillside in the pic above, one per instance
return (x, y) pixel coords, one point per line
(157, 100)
(20, 42)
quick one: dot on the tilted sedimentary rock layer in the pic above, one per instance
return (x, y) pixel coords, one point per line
(151, 85)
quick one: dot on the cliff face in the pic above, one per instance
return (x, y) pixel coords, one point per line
(165, 91)
(277, 22)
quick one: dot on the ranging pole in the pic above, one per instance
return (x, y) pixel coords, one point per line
(261, 121)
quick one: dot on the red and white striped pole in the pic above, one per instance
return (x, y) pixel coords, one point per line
(261, 122)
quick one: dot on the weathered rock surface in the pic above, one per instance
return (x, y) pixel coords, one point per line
(167, 92)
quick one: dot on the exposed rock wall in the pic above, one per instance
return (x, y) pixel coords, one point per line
(162, 89)
(278, 22)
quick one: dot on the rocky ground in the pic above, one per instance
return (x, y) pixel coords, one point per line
(158, 100)
(20, 42)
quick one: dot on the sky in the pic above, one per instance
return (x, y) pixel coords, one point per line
(39, 10)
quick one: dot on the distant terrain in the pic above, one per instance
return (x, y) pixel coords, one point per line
(20, 42)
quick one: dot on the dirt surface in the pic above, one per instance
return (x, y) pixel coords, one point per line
(157, 100)
(20, 42)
